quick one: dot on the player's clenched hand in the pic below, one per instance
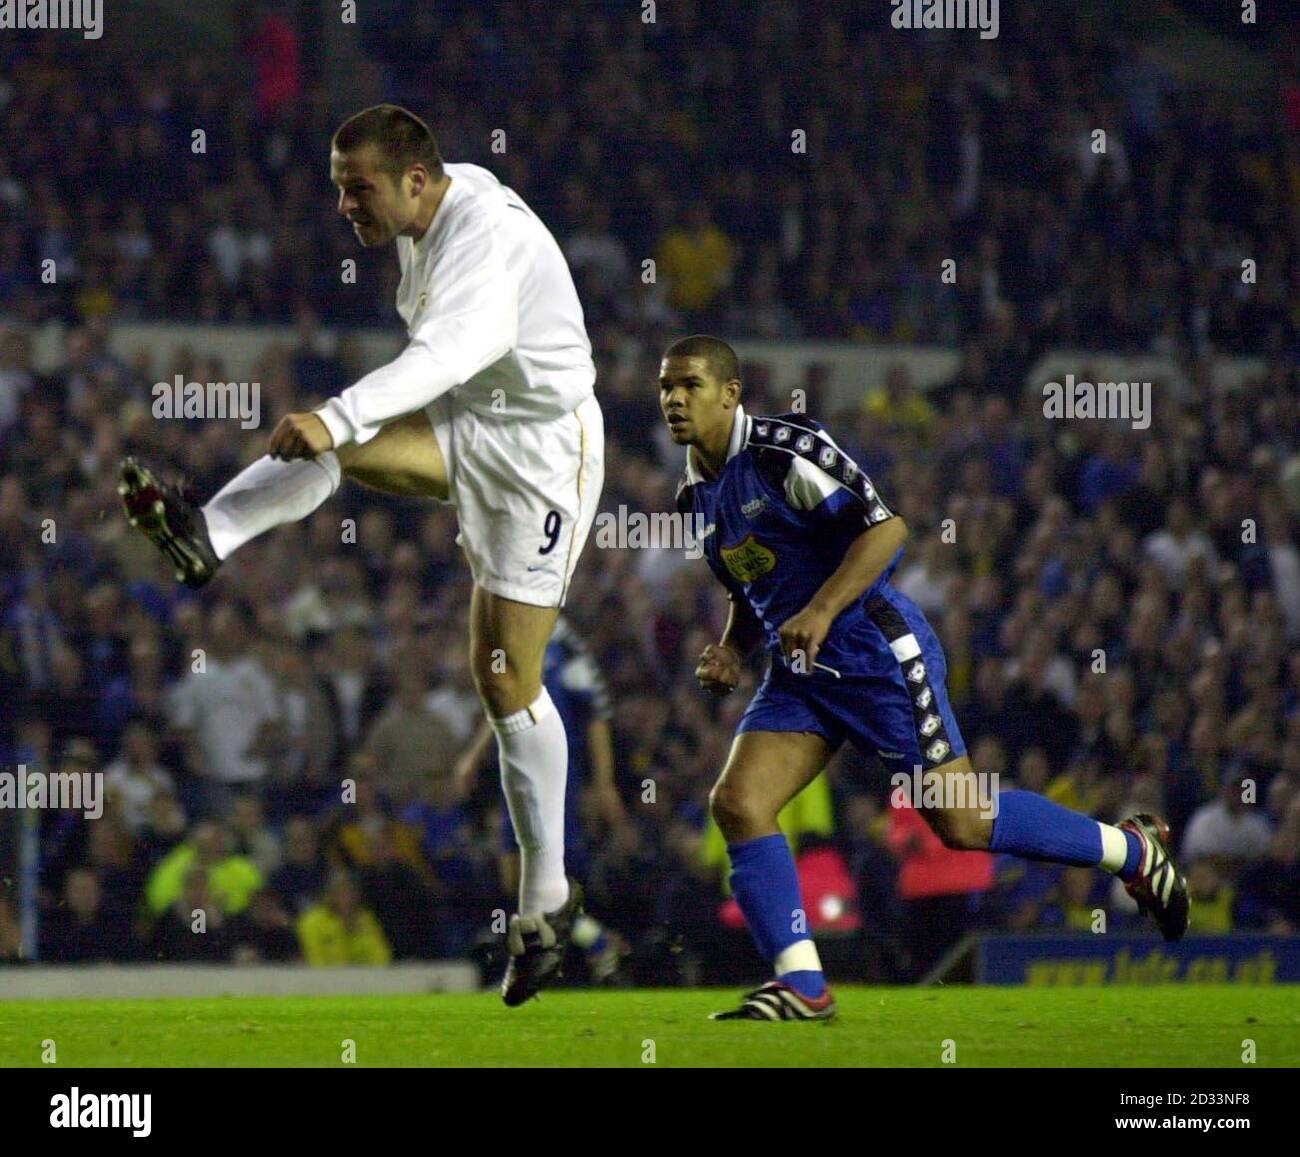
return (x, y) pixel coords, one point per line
(802, 636)
(719, 669)
(300, 436)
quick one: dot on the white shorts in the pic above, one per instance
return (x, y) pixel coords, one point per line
(525, 493)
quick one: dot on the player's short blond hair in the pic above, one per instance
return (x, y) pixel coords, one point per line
(401, 137)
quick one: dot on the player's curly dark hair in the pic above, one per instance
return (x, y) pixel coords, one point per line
(402, 137)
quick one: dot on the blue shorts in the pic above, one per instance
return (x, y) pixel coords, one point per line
(893, 705)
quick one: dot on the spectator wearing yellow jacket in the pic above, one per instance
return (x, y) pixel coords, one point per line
(1213, 899)
(697, 259)
(231, 879)
(338, 930)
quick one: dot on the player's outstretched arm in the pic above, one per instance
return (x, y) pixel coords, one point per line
(864, 562)
(471, 319)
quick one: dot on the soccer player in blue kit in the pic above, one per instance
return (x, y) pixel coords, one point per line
(805, 547)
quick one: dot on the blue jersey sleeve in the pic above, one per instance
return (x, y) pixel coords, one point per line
(803, 462)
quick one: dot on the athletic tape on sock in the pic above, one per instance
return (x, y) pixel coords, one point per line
(1114, 848)
(801, 956)
(530, 716)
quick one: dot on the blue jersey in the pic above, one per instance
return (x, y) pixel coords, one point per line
(776, 523)
(577, 688)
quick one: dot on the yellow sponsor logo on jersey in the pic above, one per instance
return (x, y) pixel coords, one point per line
(749, 560)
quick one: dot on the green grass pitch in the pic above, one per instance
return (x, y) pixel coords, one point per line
(1173, 1026)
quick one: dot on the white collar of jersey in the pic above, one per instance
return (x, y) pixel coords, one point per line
(739, 438)
(440, 216)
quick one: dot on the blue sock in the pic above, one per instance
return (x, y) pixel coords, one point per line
(1131, 861)
(806, 982)
(766, 886)
(1033, 827)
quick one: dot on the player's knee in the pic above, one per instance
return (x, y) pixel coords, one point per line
(962, 830)
(738, 812)
(502, 687)
(502, 696)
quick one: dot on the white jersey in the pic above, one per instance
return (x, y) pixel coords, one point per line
(492, 314)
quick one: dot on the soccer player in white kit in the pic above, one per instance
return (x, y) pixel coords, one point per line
(490, 407)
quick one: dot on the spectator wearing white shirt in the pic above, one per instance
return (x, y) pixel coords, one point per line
(221, 707)
(1059, 677)
(136, 776)
(1228, 828)
(1173, 548)
(930, 580)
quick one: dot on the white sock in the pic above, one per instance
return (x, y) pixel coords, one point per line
(266, 494)
(1114, 848)
(801, 956)
(534, 755)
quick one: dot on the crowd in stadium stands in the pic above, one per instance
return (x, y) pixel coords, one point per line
(1120, 608)
(790, 171)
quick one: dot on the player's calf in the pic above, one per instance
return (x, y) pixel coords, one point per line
(767, 769)
(1136, 851)
(1025, 824)
(963, 829)
(960, 812)
(507, 642)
